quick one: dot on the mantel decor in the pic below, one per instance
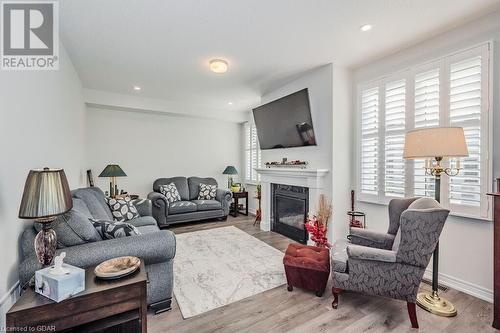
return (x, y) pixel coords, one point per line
(433, 145)
(287, 164)
(46, 196)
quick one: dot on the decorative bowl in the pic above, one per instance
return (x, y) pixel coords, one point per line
(117, 267)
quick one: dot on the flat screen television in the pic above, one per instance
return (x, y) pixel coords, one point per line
(285, 122)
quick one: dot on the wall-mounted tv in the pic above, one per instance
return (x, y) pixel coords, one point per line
(285, 122)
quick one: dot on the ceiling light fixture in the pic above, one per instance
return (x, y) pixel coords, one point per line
(218, 66)
(137, 88)
(229, 103)
(366, 27)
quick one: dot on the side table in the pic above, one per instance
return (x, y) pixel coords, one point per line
(236, 196)
(104, 304)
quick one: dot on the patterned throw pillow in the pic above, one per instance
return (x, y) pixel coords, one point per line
(122, 209)
(207, 192)
(170, 192)
(112, 229)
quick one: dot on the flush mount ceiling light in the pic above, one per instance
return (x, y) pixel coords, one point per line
(137, 88)
(218, 66)
(366, 27)
(229, 103)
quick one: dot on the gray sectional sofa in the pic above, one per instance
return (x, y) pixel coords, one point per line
(189, 208)
(85, 248)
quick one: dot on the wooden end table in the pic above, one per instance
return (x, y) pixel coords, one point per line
(236, 196)
(112, 304)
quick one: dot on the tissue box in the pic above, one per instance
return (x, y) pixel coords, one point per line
(60, 287)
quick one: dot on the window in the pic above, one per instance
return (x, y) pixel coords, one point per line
(452, 91)
(253, 157)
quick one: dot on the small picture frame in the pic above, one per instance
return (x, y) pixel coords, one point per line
(90, 178)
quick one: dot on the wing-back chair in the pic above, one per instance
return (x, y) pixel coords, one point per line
(387, 265)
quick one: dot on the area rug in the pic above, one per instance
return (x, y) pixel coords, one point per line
(216, 267)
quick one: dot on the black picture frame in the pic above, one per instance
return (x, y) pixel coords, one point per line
(90, 178)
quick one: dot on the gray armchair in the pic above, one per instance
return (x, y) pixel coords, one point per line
(376, 265)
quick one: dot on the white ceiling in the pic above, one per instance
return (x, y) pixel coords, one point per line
(164, 45)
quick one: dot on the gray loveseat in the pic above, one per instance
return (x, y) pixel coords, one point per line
(189, 208)
(85, 248)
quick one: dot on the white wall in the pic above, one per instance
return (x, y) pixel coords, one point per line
(466, 245)
(150, 146)
(330, 97)
(42, 124)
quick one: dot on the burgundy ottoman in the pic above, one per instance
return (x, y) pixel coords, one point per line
(307, 267)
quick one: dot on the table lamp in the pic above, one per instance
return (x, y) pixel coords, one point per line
(46, 195)
(432, 145)
(230, 170)
(112, 171)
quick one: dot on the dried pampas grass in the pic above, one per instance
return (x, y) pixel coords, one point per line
(324, 211)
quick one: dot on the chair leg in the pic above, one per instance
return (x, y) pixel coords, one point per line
(335, 292)
(412, 312)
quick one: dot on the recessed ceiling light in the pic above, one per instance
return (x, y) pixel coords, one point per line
(229, 103)
(366, 27)
(137, 88)
(218, 66)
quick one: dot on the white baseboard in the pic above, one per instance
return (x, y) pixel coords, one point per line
(7, 301)
(463, 286)
(252, 211)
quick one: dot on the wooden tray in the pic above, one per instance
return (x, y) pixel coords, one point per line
(117, 267)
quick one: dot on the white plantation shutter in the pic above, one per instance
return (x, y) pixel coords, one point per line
(426, 115)
(451, 91)
(465, 111)
(395, 113)
(369, 141)
(253, 157)
(248, 153)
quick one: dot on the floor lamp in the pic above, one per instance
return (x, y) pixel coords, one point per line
(433, 145)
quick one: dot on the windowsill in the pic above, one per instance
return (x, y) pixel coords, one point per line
(251, 182)
(461, 215)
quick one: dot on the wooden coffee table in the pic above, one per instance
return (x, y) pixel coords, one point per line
(113, 304)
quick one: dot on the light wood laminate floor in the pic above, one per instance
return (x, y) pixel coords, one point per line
(278, 310)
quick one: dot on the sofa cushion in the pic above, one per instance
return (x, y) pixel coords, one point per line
(181, 184)
(148, 229)
(113, 229)
(81, 206)
(194, 185)
(143, 221)
(179, 207)
(122, 209)
(72, 228)
(170, 192)
(207, 204)
(207, 192)
(95, 201)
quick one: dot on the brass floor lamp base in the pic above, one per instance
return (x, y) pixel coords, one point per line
(434, 304)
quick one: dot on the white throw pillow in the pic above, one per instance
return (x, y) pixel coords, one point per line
(170, 192)
(207, 192)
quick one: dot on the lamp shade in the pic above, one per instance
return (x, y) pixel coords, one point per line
(46, 194)
(230, 170)
(435, 142)
(112, 170)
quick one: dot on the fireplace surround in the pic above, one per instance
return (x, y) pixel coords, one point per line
(312, 179)
(290, 206)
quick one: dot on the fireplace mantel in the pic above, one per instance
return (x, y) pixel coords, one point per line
(314, 179)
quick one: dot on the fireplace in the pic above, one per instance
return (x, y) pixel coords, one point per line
(290, 205)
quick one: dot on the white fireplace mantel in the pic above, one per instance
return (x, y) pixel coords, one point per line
(314, 179)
